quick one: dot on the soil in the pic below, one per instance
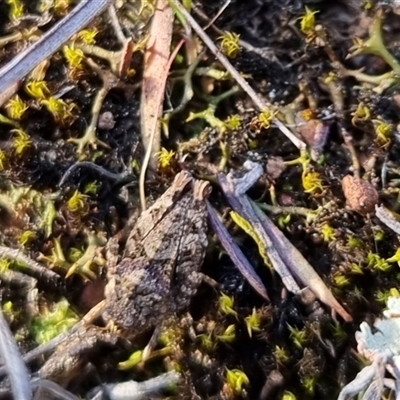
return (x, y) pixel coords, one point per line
(350, 127)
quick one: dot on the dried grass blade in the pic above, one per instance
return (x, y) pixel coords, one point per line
(299, 266)
(288, 262)
(242, 206)
(388, 218)
(236, 255)
(155, 76)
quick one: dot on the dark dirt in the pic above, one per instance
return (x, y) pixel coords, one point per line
(285, 66)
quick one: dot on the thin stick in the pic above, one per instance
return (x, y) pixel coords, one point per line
(261, 105)
(14, 364)
(33, 267)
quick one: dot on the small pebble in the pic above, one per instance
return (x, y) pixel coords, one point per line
(360, 195)
(106, 120)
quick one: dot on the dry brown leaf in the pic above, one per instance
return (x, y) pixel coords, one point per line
(155, 77)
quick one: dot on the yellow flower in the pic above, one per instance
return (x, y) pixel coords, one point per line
(16, 9)
(22, 142)
(37, 89)
(312, 181)
(74, 57)
(383, 131)
(88, 35)
(307, 22)
(16, 107)
(77, 202)
(61, 111)
(230, 44)
(165, 158)
(265, 119)
(362, 114)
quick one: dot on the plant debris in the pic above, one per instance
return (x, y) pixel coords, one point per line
(288, 110)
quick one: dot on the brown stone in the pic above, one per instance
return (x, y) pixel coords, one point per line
(360, 195)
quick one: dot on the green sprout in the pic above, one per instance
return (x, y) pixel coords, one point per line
(253, 322)
(61, 111)
(395, 257)
(298, 336)
(328, 233)
(288, 395)
(48, 217)
(341, 280)
(77, 203)
(309, 382)
(383, 295)
(37, 89)
(264, 119)
(353, 242)
(16, 9)
(206, 341)
(356, 269)
(4, 265)
(3, 160)
(226, 305)
(339, 333)
(312, 181)
(383, 131)
(166, 158)
(92, 188)
(229, 334)
(134, 359)
(88, 36)
(27, 237)
(236, 379)
(74, 57)
(375, 261)
(91, 257)
(52, 322)
(281, 355)
(233, 122)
